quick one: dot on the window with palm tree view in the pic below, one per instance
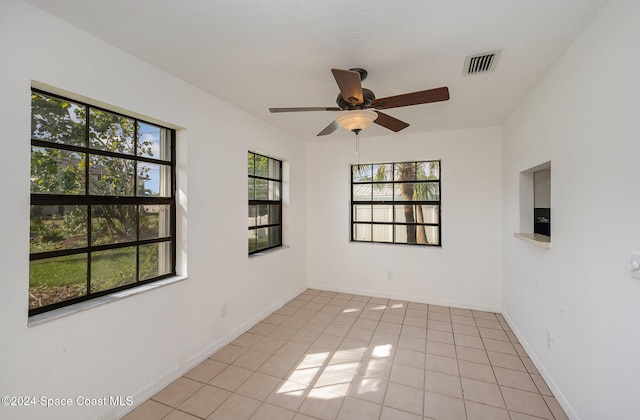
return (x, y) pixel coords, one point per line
(102, 202)
(396, 203)
(265, 202)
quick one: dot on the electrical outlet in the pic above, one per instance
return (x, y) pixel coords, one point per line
(223, 311)
(389, 275)
(549, 340)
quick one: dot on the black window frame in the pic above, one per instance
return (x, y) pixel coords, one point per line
(252, 177)
(89, 200)
(394, 203)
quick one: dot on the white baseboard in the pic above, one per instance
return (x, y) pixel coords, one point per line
(440, 302)
(171, 375)
(557, 393)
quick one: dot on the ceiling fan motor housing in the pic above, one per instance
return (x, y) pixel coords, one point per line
(367, 95)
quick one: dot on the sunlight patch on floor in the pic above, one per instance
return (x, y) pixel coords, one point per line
(329, 374)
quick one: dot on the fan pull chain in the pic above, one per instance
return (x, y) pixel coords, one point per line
(358, 148)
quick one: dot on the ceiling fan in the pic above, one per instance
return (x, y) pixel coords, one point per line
(358, 102)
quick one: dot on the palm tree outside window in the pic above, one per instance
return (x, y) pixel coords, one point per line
(396, 203)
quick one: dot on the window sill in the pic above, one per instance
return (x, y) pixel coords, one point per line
(534, 239)
(89, 304)
(267, 251)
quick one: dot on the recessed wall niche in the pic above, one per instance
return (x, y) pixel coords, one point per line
(535, 205)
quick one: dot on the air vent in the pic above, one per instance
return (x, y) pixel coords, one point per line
(481, 63)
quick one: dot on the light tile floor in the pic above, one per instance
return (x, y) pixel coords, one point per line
(327, 355)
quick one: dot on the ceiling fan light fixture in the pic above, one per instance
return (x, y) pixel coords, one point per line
(356, 120)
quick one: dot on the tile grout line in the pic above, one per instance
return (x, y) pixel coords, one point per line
(316, 311)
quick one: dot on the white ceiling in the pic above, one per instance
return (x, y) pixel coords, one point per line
(258, 54)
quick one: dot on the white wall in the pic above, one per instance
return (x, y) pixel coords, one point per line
(135, 345)
(464, 272)
(585, 118)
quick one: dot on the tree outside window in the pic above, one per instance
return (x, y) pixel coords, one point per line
(265, 202)
(396, 203)
(102, 202)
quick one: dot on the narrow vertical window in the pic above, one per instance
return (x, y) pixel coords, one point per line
(265, 202)
(102, 202)
(396, 203)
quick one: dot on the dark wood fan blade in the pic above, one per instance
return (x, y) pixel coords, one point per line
(415, 98)
(317, 108)
(387, 121)
(329, 129)
(349, 83)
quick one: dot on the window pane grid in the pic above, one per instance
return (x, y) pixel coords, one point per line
(102, 202)
(396, 203)
(82, 149)
(265, 202)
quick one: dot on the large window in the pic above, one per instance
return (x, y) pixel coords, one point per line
(396, 203)
(102, 202)
(265, 202)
